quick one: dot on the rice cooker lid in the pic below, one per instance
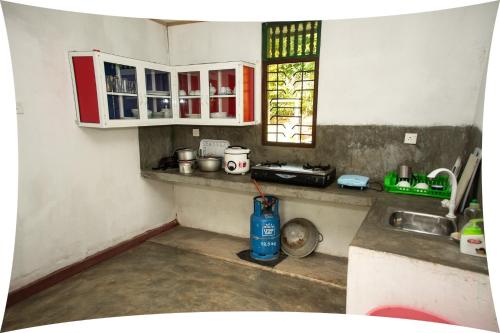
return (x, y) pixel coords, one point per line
(236, 150)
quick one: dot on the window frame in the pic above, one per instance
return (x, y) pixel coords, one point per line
(264, 112)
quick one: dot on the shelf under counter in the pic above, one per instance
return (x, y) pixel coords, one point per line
(373, 234)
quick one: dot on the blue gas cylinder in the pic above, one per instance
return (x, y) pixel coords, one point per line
(265, 228)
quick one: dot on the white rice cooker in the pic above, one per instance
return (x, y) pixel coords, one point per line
(236, 160)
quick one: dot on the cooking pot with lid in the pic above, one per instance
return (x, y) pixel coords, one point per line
(185, 154)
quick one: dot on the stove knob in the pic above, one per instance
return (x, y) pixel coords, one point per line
(231, 165)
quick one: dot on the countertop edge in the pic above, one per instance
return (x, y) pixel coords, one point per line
(244, 185)
(420, 259)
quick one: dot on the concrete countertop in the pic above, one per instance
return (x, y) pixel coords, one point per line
(373, 234)
(242, 183)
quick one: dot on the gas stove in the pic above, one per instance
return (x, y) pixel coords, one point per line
(317, 175)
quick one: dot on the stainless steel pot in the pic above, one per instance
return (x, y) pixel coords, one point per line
(186, 154)
(209, 163)
(186, 167)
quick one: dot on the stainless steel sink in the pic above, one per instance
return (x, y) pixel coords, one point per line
(422, 223)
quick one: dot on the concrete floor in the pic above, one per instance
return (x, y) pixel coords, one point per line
(316, 267)
(158, 278)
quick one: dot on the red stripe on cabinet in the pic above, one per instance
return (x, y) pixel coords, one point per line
(86, 88)
(248, 94)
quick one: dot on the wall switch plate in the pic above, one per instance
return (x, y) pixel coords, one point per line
(411, 138)
(19, 108)
(196, 132)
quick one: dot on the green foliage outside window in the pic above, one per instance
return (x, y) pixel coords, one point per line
(289, 82)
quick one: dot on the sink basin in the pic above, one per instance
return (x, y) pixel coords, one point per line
(422, 223)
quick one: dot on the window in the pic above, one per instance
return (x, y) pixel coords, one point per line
(290, 59)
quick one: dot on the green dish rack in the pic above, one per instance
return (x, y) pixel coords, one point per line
(391, 179)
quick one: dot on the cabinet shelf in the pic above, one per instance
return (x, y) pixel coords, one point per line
(158, 96)
(121, 94)
(189, 96)
(222, 96)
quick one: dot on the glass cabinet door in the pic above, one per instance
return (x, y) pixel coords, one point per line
(222, 87)
(121, 90)
(189, 95)
(158, 93)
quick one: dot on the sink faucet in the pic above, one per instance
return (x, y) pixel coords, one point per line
(451, 203)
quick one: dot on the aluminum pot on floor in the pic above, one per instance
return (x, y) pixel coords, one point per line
(299, 237)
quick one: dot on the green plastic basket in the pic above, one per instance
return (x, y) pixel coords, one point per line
(391, 179)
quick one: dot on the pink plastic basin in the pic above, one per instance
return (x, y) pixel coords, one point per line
(406, 313)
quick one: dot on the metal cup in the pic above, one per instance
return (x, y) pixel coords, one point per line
(404, 172)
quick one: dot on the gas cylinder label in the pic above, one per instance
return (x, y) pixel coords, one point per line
(265, 244)
(268, 229)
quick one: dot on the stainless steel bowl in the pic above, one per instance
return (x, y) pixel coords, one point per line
(209, 163)
(299, 237)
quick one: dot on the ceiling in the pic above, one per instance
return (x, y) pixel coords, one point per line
(169, 23)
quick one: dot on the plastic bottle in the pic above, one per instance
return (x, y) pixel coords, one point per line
(473, 211)
(472, 238)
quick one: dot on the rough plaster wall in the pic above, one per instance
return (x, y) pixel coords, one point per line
(460, 296)
(80, 189)
(367, 150)
(155, 142)
(412, 70)
(229, 213)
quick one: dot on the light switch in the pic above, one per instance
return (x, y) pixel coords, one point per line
(19, 108)
(196, 132)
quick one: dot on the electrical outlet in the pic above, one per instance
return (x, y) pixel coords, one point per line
(411, 138)
(196, 132)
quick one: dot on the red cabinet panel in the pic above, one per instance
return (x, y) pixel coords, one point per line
(83, 67)
(248, 94)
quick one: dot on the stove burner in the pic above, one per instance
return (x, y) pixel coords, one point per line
(277, 163)
(318, 167)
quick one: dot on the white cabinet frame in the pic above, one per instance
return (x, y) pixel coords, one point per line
(99, 58)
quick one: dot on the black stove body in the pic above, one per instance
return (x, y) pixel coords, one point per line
(296, 174)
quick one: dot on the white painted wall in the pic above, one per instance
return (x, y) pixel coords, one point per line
(229, 213)
(420, 69)
(478, 116)
(218, 42)
(377, 279)
(80, 189)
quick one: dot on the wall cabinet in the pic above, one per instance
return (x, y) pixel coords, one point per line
(113, 91)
